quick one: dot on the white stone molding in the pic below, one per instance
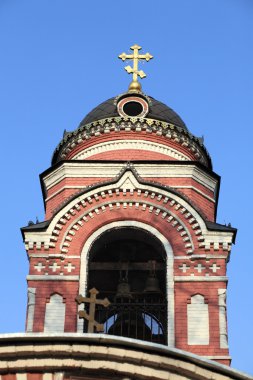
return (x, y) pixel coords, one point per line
(200, 256)
(168, 200)
(55, 314)
(34, 277)
(146, 145)
(197, 321)
(61, 256)
(111, 170)
(156, 127)
(58, 376)
(21, 376)
(47, 376)
(116, 356)
(169, 268)
(31, 295)
(150, 207)
(222, 294)
(193, 278)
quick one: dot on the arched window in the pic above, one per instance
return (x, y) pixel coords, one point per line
(127, 265)
(55, 314)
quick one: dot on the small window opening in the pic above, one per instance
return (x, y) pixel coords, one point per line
(133, 108)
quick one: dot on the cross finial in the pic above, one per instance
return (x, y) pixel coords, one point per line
(136, 57)
(93, 301)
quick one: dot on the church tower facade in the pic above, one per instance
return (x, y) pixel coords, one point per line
(130, 246)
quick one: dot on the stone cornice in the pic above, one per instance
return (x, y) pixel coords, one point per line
(170, 131)
(21, 353)
(170, 169)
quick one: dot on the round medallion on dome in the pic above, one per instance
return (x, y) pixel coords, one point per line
(132, 106)
(155, 110)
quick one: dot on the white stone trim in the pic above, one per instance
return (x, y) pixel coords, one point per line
(188, 212)
(146, 145)
(137, 185)
(202, 256)
(169, 266)
(31, 293)
(200, 278)
(34, 277)
(47, 376)
(197, 321)
(55, 314)
(21, 376)
(222, 294)
(218, 357)
(58, 376)
(98, 352)
(151, 126)
(110, 170)
(129, 203)
(53, 256)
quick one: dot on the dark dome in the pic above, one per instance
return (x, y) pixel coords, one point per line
(157, 110)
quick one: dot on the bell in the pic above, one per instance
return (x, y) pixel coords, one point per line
(152, 284)
(123, 289)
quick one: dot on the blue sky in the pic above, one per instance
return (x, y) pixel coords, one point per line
(59, 60)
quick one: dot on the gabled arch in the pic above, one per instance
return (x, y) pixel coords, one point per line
(166, 201)
(144, 207)
(129, 182)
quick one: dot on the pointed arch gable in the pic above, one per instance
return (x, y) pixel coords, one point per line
(166, 202)
(128, 181)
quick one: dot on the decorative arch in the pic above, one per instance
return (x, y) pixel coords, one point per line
(149, 207)
(169, 268)
(127, 181)
(129, 189)
(137, 125)
(145, 145)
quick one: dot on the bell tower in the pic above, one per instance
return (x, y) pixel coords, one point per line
(130, 246)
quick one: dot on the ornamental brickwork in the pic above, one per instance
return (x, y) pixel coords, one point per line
(124, 182)
(127, 273)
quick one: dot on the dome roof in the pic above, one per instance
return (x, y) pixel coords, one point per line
(157, 110)
(143, 109)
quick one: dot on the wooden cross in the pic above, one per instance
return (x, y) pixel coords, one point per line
(136, 57)
(93, 301)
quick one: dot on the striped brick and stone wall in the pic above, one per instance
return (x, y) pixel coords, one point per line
(136, 173)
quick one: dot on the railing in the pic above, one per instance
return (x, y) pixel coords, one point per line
(140, 317)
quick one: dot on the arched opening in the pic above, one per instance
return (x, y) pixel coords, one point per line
(128, 266)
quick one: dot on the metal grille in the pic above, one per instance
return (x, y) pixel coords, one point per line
(141, 317)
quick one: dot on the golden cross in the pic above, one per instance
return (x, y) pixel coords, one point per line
(135, 85)
(92, 300)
